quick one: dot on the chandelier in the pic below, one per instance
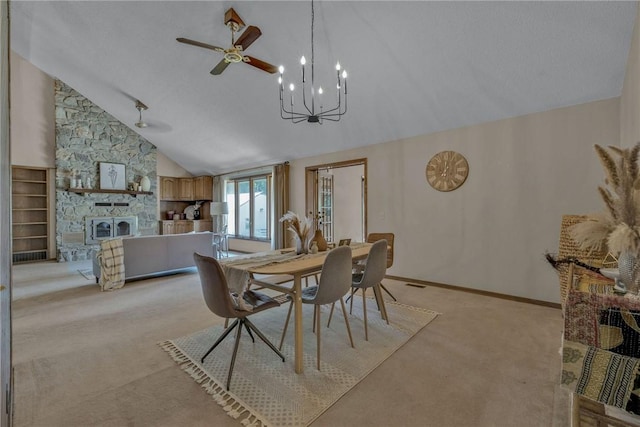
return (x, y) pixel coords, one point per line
(309, 112)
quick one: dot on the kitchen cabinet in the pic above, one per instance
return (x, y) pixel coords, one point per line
(203, 225)
(203, 188)
(185, 226)
(185, 189)
(167, 188)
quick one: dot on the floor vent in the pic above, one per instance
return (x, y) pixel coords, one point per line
(29, 256)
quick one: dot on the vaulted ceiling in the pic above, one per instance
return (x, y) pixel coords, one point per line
(414, 67)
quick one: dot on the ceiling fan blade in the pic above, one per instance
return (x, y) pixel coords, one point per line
(218, 69)
(264, 66)
(249, 36)
(200, 44)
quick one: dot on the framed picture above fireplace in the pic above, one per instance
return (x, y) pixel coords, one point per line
(112, 176)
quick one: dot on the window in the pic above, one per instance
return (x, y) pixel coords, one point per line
(249, 201)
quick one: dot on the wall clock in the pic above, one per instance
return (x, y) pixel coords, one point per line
(447, 170)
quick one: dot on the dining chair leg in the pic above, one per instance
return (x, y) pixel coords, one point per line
(381, 306)
(346, 321)
(317, 321)
(235, 352)
(315, 310)
(249, 331)
(387, 291)
(263, 338)
(351, 301)
(286, 325)
(219, 340)
(364, 310)
(333, 305)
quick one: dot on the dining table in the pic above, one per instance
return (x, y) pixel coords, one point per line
(275, 269)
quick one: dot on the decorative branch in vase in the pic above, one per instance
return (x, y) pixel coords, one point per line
(301, 228)
(618, 227)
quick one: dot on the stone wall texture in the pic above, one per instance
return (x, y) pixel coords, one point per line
(86, 135)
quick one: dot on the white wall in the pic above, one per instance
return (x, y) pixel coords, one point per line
(630, 98)
(490, 234)
(33, 122)
(347, 198)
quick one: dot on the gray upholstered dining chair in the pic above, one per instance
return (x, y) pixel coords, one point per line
(218, 299)
(335, 282)
(374, 271)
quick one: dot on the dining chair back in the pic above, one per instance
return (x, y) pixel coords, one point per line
(374, 271)
(390, 238)
(218, 299)
(335, 282)
(335, 278)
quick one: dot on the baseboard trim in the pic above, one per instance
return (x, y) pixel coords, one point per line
(475, 291)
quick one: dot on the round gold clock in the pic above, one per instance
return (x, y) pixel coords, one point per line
(447, 170)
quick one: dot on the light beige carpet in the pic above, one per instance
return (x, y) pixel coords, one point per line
(265, 391)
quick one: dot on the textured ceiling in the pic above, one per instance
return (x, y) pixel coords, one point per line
(414, 67)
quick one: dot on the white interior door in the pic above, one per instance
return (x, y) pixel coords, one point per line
(337, 194)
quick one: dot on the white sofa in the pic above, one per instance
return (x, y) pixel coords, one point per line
(146, 256)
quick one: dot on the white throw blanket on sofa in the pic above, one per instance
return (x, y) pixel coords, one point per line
(111, 259)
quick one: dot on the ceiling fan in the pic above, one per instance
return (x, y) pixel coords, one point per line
(235, 52)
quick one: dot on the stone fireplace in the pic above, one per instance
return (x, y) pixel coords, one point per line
(86, 136)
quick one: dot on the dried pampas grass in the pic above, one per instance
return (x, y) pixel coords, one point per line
(300, 226)
(592, 234)
(619, 226)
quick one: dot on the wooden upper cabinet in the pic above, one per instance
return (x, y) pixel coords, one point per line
(203, 188)
(185, 190)
(168, 188)
(188, 189)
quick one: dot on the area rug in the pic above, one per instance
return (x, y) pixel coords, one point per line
(267, 392)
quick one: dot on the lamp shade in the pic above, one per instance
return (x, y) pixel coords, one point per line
(219, 208)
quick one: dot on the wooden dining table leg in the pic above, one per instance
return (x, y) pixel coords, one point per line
(297, 301)
(380, 300)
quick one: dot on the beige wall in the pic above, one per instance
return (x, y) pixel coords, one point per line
(492, 233)
(347, 208)
(630, 98)
(33, 125)
(167, 167)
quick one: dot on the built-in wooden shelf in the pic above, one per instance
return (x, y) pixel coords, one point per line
(90, 190)
(30, 214)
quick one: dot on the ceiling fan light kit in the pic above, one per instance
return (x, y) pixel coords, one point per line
(234, 54)
(309, 113)
(140, 107)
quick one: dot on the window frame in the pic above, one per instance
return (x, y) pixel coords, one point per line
(252, 217)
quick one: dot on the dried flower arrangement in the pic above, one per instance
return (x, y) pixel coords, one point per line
(619, 226)
(301, 227)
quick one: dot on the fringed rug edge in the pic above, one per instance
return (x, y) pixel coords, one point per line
(231, 404)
